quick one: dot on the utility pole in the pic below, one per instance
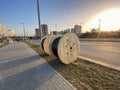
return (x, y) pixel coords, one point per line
(56, 28)
(26, 35)
(99, 24)
(99, 27)
(23, 28)
(81, 24)
(38, 9)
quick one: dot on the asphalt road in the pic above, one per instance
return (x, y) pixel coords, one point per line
(105, 52)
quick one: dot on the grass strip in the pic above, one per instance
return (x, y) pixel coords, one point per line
(5, 44)
(82, 74)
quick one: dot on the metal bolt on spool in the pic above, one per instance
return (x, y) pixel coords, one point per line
(66, 47)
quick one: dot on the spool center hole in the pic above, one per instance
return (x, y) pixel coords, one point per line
(70, 48)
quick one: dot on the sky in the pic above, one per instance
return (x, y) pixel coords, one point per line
(64, 13)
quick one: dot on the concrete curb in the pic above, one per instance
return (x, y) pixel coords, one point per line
(100, 63)
(62, 77)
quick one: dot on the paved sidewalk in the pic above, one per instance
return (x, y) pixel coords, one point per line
(21, 68)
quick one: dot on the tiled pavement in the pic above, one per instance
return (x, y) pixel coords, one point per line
(21, 68)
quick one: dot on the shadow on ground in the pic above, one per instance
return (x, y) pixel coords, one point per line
(17, 62)
(28, 80)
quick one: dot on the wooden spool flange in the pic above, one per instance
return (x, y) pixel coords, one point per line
(47, 44)
(66, 48)
(42, 42)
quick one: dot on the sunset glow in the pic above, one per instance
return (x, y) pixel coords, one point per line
(110, 20)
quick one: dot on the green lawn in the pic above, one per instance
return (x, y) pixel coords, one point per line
(82, 74)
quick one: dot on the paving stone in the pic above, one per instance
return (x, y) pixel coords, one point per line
(21, 68)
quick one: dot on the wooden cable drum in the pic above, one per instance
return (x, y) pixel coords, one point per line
(46, 44)
(66, 48)
(51, 44)
(42, 42)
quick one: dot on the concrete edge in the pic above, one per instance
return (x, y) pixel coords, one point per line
(61, 77)
(100, 63)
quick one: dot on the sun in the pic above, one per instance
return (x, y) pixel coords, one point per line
(109, 20)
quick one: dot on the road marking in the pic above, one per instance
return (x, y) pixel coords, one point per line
(100, 63)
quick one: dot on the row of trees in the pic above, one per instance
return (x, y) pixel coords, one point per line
(102, 34)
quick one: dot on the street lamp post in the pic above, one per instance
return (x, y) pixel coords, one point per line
(56, 28)
(99, 24)
(38, 9)
(81, 24)
(99, 28)
(23, 28)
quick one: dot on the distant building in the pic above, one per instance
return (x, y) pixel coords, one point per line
(61, 32)
(44, 30)
(77, 29)
(72, 30)
(56, 32)
(67, 30)
(37, 32)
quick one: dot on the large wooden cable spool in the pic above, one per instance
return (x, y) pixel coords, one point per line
(47, 44)
(42, 42)
(66, 48)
